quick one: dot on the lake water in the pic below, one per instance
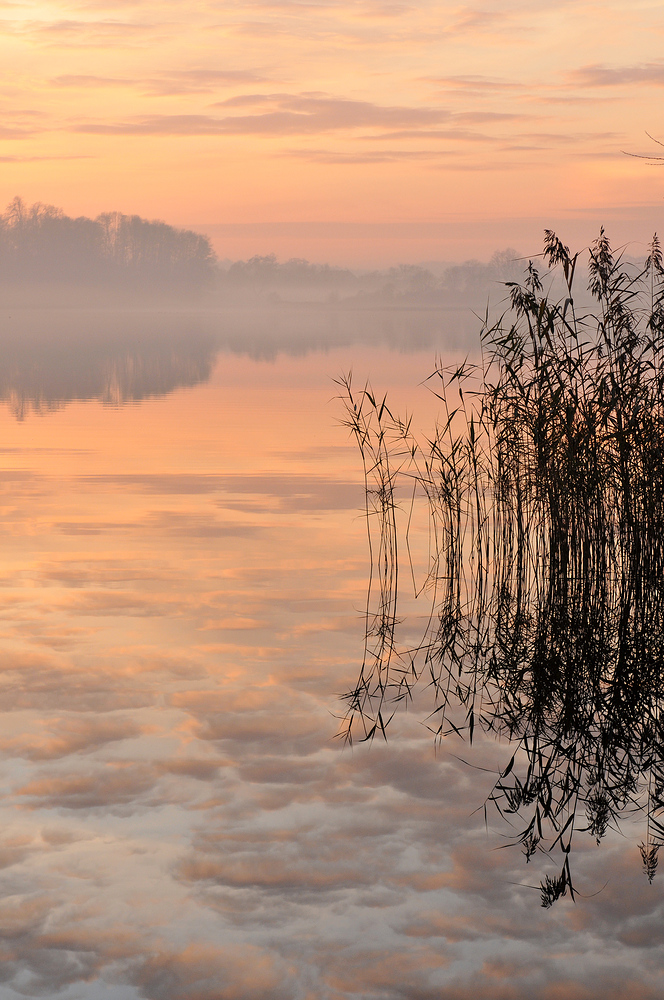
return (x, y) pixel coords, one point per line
(184, 573)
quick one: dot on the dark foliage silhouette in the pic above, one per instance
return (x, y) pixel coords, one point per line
(545, 491)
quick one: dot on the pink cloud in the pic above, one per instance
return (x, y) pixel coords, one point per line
(599, 75)
(287, 115)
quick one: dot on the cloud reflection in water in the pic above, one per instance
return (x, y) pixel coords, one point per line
(182, 586)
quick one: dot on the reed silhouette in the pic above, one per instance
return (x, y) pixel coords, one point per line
(544, 485)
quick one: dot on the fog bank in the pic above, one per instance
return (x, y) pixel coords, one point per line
(50, 259)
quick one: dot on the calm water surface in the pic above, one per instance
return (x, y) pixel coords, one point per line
(182, 584)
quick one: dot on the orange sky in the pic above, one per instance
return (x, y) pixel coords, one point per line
(353, 131)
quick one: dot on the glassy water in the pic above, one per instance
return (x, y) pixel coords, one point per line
(183, 581)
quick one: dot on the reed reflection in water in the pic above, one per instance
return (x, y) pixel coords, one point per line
(545, 488)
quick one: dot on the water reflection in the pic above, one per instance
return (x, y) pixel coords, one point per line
(50, 358)
(181, 588)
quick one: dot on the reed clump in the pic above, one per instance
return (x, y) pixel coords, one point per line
(544, 485)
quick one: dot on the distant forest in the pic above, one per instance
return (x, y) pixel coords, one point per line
(269, 280)
(41, 245)
(47, 257)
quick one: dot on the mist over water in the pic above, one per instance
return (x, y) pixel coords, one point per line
(52, 357)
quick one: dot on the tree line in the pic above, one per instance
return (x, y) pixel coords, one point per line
(42, 248)
(436, 284)
(39, 244)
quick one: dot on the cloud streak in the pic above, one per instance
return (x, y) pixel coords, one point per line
(74, 33)
(170, 83)
(279, 114)
(599, 75)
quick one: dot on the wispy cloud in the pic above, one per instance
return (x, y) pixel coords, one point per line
(377, 156)
(475, 85)
(478, 20)
(174, 82)
(202, 81)
(451, 134)
(109, 787)
(382, 11)
(326, 111)
(71, 33)
(16, 132)
(241, 972)
(599, 75)
(39, 159)
(65, 735)
(85, 81)
(293, 493)
(277, 114)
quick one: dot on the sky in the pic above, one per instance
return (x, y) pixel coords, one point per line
(358, 133)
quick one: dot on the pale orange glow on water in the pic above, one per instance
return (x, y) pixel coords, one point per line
(182, 588)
